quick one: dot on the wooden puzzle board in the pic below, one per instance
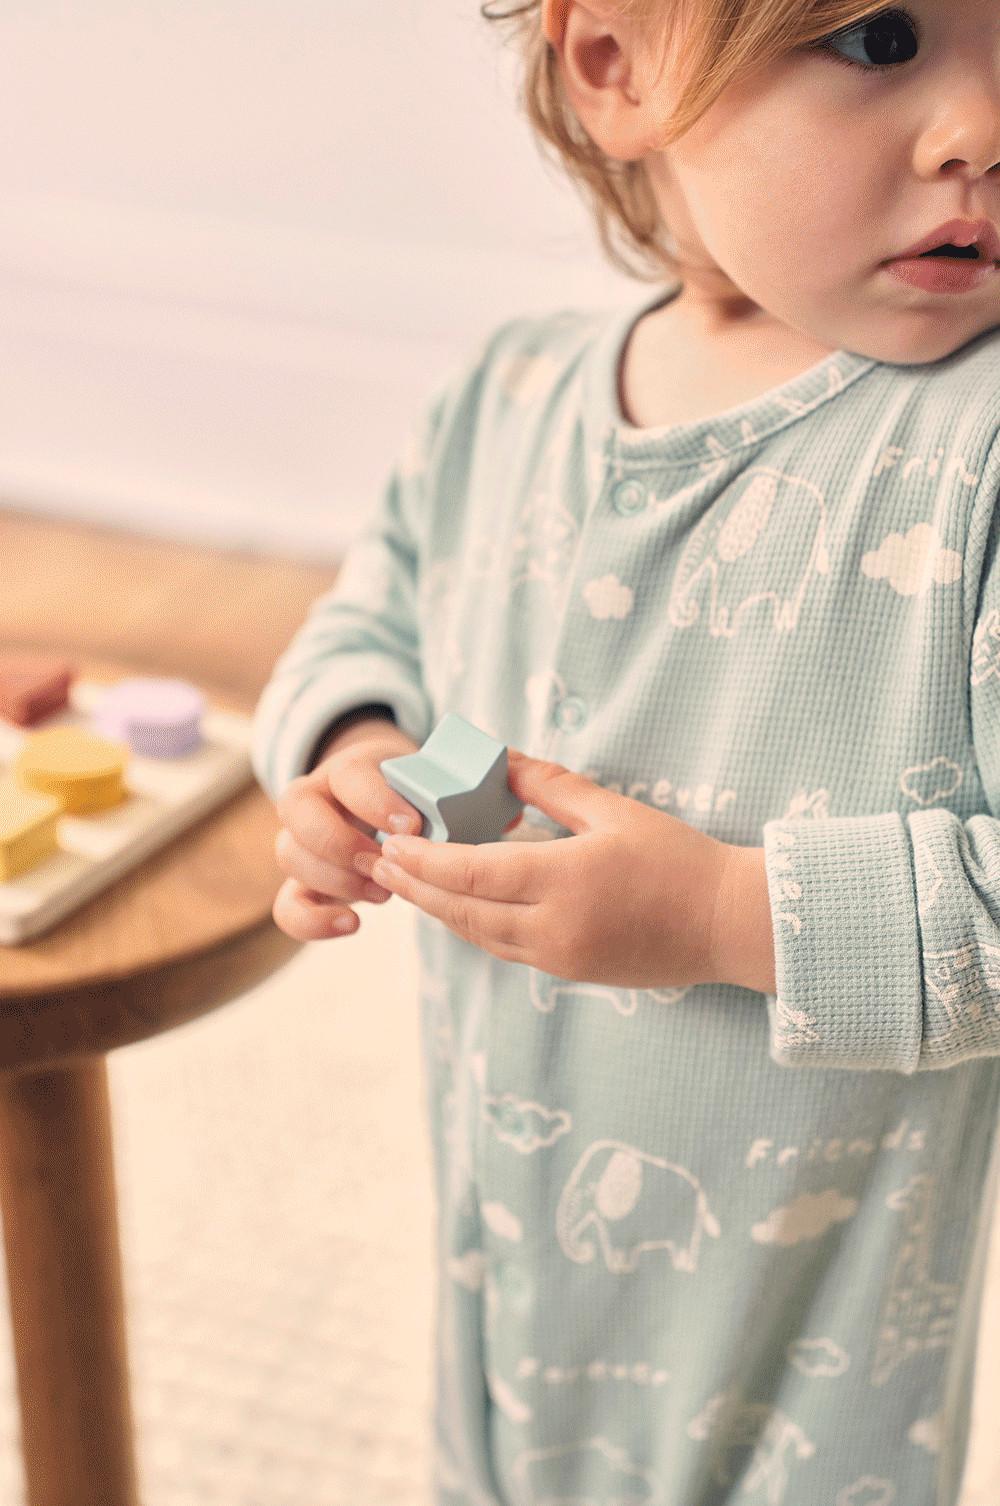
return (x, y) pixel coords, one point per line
(164, 796)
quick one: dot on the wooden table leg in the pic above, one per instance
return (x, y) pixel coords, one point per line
(60, 1226)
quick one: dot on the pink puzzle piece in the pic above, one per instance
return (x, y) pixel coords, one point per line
(158, 718)
(33, 685)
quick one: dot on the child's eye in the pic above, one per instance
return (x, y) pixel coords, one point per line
(885, 40)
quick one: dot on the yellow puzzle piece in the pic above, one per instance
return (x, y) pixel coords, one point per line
(83, 770)
(27, 828)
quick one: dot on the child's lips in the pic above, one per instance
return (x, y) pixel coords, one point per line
(941, 274)
(981, 233)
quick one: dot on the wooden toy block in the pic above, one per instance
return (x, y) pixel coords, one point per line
(27, 827)
(158, 718)
(33, 685)
(458, 783)
(85, 772)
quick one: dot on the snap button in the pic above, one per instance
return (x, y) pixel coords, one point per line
(629, 497)
(571, 713)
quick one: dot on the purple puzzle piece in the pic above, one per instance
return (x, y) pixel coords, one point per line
(158, 718)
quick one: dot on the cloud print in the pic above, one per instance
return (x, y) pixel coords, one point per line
(930, 783)
(525, 1125)
(808, 1217)
(928, 1433)
(608, 597)
(818, 1357)
(911, 564)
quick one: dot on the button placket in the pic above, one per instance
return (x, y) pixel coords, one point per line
(628, 496)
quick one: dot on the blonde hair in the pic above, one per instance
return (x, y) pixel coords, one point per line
(715, 43)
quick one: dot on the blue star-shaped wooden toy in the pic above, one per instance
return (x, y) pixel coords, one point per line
(458, 783)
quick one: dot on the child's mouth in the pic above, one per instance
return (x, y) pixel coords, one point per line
(965, 253)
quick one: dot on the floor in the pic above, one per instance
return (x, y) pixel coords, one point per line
(276, 1205)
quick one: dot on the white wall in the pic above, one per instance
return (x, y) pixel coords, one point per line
(240, 239)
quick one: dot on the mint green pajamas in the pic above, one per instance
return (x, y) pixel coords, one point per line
(703, 1246)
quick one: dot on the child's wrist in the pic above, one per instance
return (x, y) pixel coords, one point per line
(742, 930)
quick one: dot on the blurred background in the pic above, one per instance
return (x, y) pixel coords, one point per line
(239, 243)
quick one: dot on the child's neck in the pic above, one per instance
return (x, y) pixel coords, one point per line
(679, 367)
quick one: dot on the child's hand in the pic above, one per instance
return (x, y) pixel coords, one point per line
(628, 899)
(329, 818)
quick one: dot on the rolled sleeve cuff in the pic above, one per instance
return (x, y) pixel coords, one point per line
(285, 729)
(848, 978)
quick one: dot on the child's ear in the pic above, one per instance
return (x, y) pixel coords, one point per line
(554, 20)
(595, 46)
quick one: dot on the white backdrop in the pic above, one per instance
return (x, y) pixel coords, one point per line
(241, 239)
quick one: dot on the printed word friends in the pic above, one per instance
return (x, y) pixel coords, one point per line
(831, 1151)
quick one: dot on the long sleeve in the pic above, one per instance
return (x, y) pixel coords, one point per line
(886, 927)
(345, 720)
(360, 641)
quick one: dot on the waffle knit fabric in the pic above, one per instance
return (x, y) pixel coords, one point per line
(705, 1246)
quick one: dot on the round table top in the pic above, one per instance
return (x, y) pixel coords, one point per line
(191, 920)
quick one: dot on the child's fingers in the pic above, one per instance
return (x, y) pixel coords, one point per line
(307, 916)
(325, 880)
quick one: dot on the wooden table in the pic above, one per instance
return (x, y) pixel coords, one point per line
(186, 931)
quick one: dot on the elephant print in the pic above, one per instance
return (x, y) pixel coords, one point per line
(633, 1202)
(729, 566)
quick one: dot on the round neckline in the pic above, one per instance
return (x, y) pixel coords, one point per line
(695, 440)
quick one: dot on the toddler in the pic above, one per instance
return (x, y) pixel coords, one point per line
(712, 1036)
